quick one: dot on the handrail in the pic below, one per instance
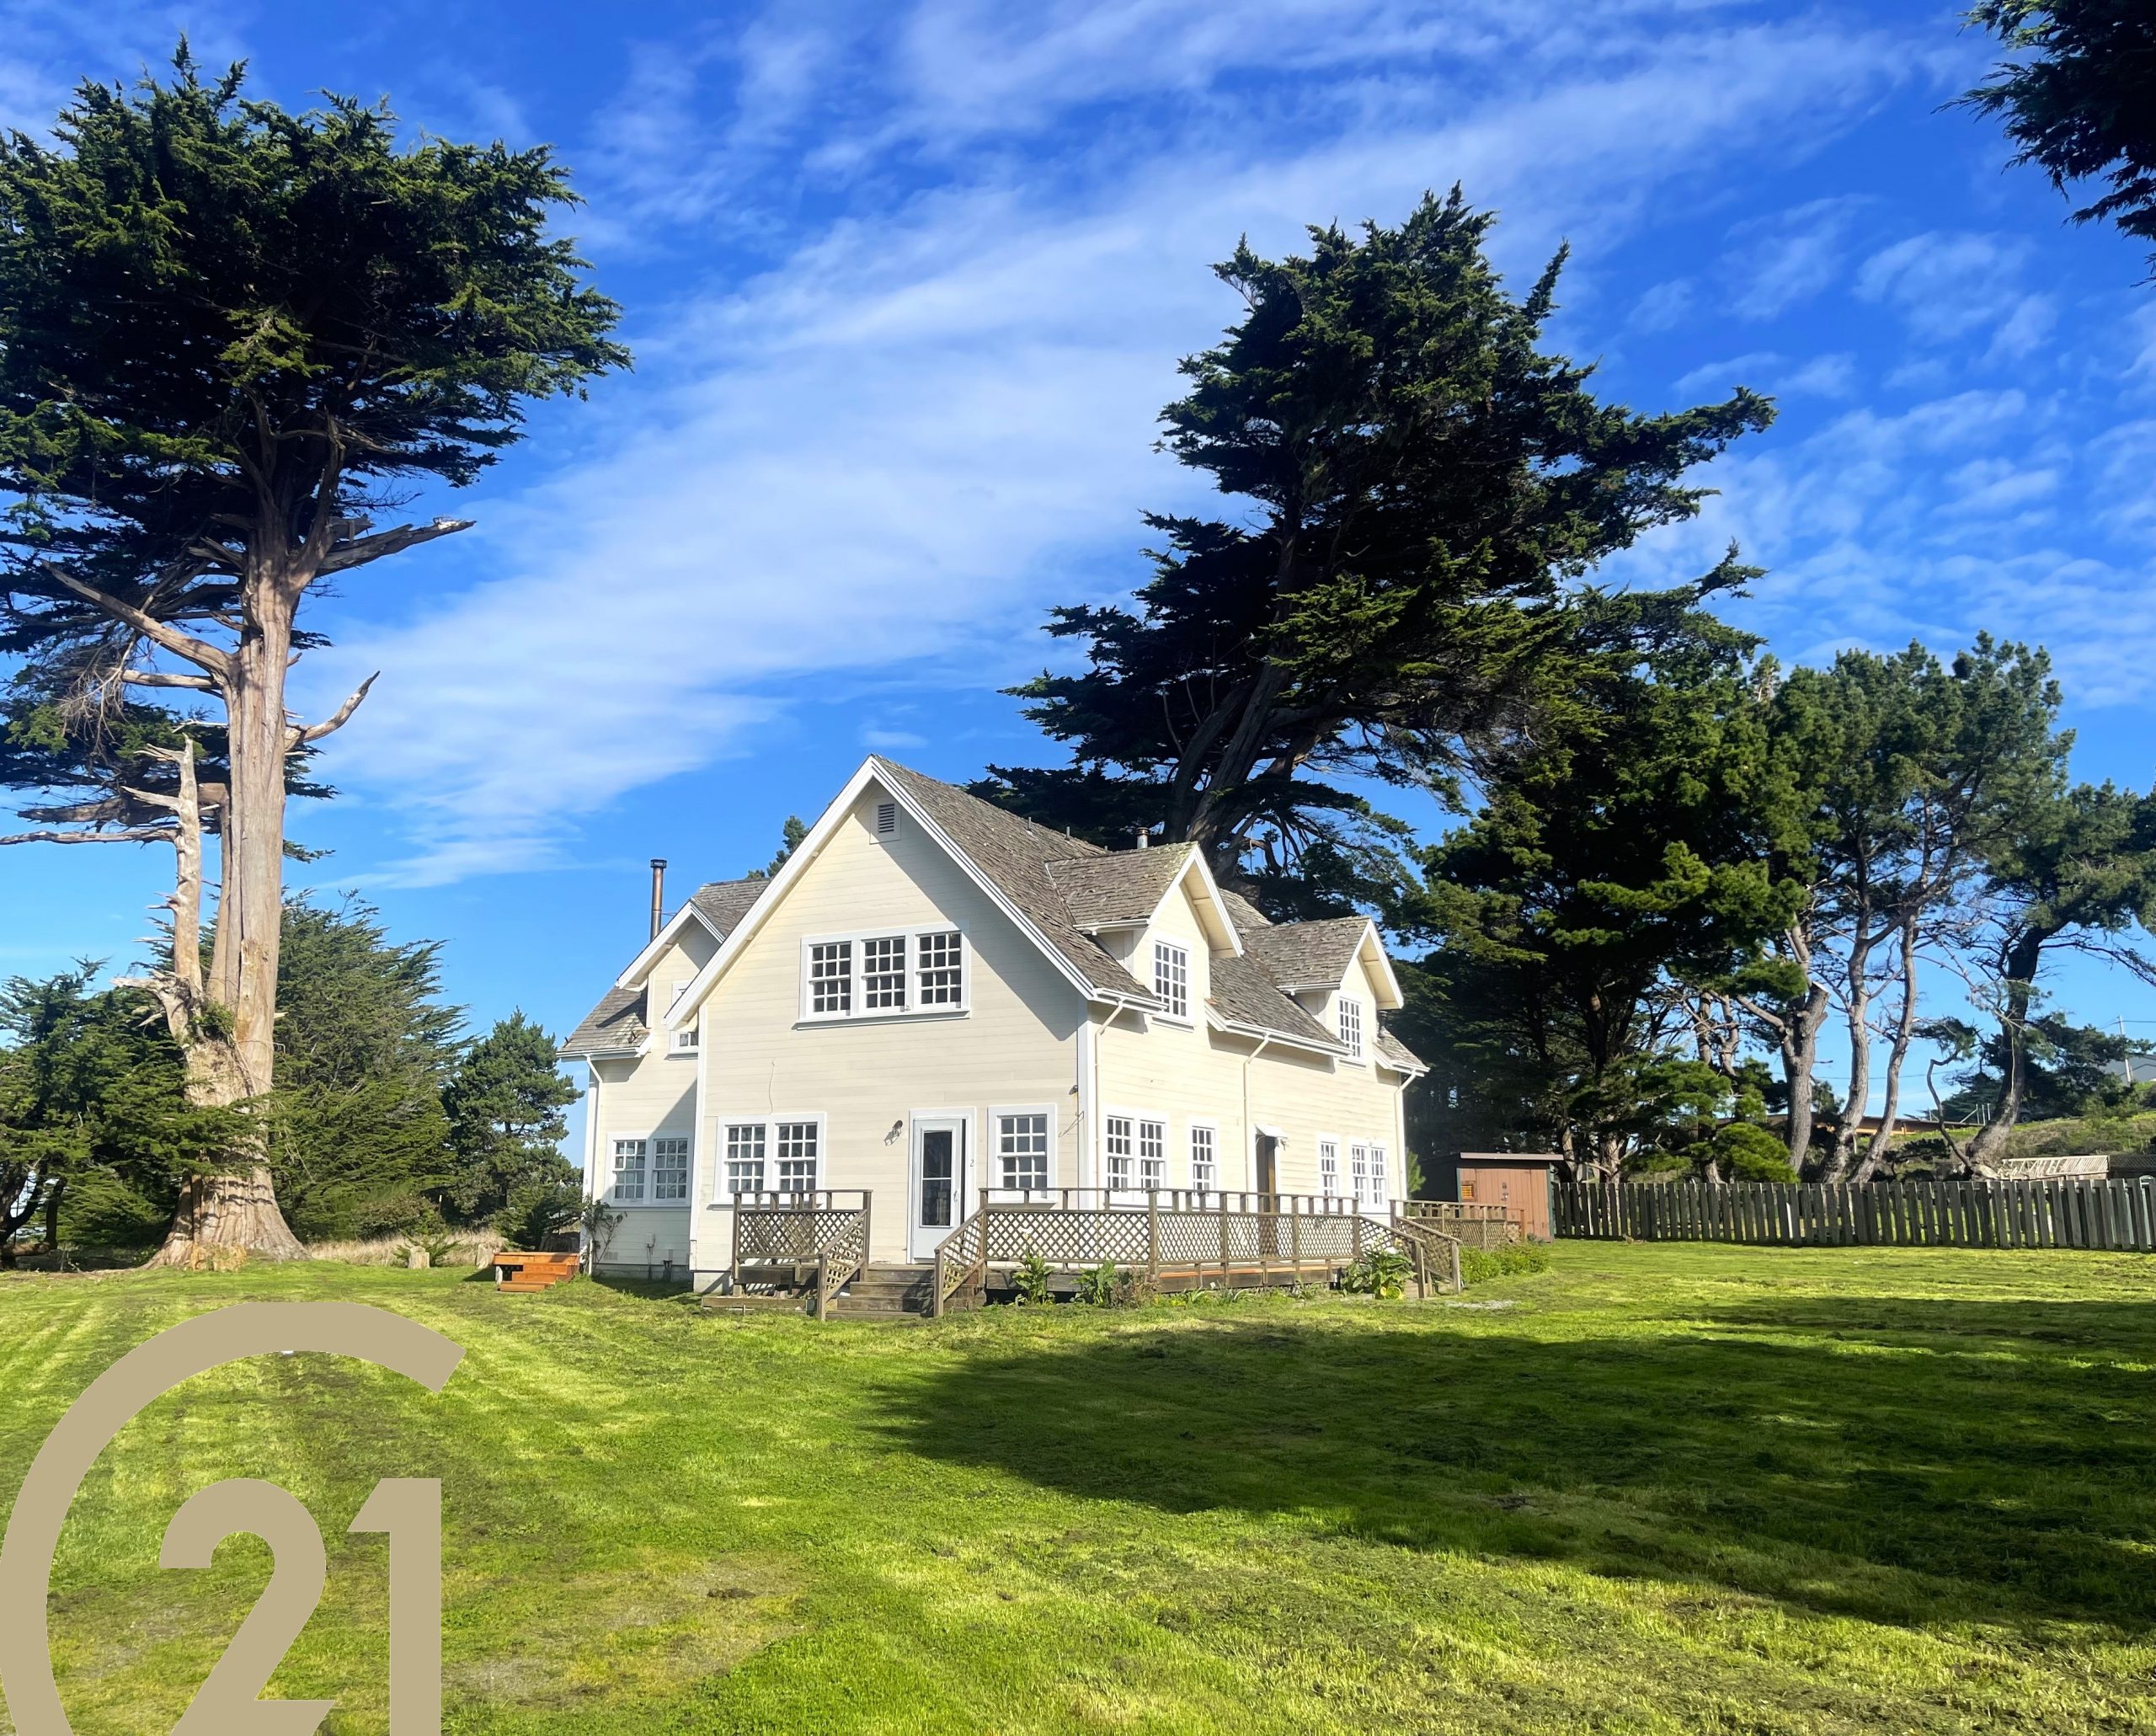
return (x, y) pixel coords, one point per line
(1207, 1199)
(1425, 1246)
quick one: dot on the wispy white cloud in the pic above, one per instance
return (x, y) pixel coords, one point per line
(1769, 372)
(1781, 261)
(934, 417)
(1949, 285)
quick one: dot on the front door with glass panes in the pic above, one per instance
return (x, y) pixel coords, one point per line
(937, 1197)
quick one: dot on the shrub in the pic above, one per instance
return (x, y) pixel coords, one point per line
(1747, 1153)
(1383, 1273)
(1030, 1280)
(1478, 1265)
(1096, 1288)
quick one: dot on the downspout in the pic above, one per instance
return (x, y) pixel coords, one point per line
(1089, 1091)
(591, 1143)
(697, 1146)
(1250, 1131)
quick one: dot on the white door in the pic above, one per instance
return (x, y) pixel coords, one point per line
(935, 1200)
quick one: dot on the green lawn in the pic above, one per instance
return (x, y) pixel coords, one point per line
(1666, 1489)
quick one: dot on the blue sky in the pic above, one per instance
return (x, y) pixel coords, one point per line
(907, 283)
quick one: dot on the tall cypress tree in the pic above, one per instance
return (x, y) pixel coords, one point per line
(229, 335)
(1415, 484)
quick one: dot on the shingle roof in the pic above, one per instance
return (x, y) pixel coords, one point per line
(1065, 887)
(1118, 891)
(1244, 994)
(1014, 855)
(1308, 955)
(724, 903)
(1393, 1049)
(615, 1025)
(618, 1024)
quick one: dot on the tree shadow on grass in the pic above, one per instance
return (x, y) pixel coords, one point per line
(1902, 1462)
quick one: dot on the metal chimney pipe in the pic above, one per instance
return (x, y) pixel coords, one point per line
(658, 895)
(1144, 837)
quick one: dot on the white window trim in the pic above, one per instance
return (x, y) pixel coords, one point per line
(684, 1043)
(650, 1174)
(1358, 1186)
(1136, 1190)
(1360, 1056)
(1166, 1015)
(1190, 1151)
(1339, 1147)
(992, 1156)
(859, 1012)
(1381, 1172)
(721, 1196)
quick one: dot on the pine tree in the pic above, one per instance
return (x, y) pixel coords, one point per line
(504, 1107)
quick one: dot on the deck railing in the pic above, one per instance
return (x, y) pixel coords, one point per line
(1235, 1234)
(827, 1230)
(1476, 1225)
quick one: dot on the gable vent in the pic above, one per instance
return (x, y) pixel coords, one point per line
(887, 820)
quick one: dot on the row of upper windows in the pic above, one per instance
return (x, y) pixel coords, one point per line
(925, 970)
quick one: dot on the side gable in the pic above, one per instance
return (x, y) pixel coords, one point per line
(715, 908)
(617, 1026)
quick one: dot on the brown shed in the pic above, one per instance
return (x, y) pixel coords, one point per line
(1518, 1181)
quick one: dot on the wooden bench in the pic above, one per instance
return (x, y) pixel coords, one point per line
(525, 1273)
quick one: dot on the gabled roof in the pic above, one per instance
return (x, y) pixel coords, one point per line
(1248, 1000)
(1120, 891)
(724, 903)
(1061, 891)
(615, 1026)
(620, 1024)
(1308, 955)
(1015, 857)
(1127, 890)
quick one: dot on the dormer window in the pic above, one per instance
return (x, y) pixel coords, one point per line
(1171, 978)
(1351, 1028)
(685, 1040)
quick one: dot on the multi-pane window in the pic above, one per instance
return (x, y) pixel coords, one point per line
(1377, 1175)
(1152, 1154)
(940, 963)
(1122, 1150)
(628, 1169)
(1022, 1144)
(685, 1040)
(1358, 1171)
(797, 1144)
(1204, 1159)
(1328, 1167)
(830, 977)
(1351, 1028)
(745, 1157)
(669, 1168)
(883, 973)
(879, 975)
(1171, 978)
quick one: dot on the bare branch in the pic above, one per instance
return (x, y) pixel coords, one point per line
(337, 719)
(133, 835)
(199, 651)
(361, 550)
(163, 678)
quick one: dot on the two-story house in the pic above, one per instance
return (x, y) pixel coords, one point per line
(936, 1003)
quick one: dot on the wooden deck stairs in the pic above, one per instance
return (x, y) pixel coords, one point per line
(877, 1292)
(525, 1273)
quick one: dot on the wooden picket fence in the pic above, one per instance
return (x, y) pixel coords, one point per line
(2071, 1212)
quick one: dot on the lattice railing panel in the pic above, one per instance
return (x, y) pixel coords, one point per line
(778, 1234)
